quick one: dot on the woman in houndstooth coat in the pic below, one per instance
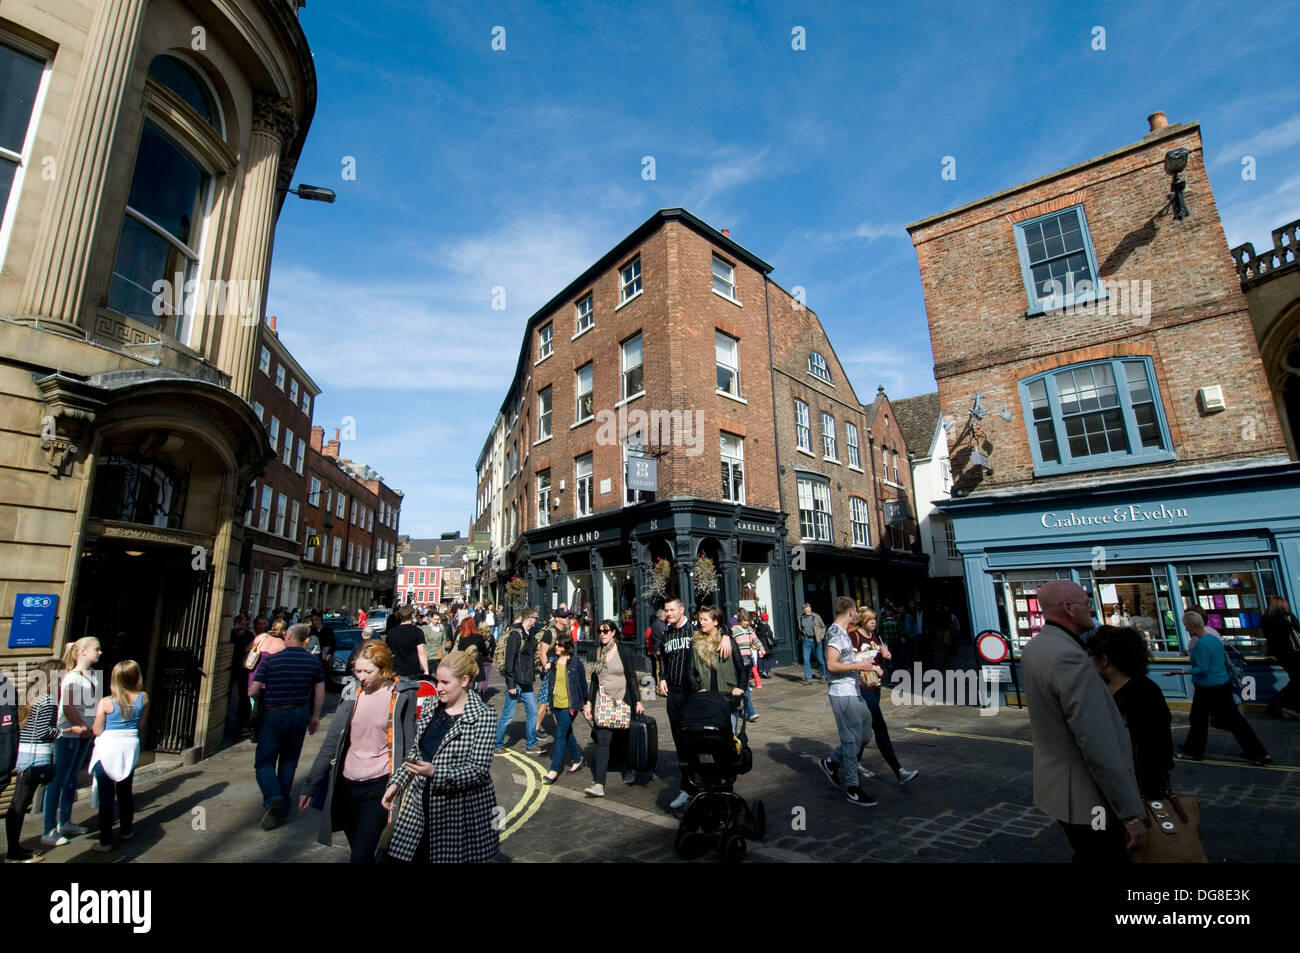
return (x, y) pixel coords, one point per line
(448, 805)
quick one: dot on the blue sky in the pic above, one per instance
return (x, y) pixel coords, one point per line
(477, 168)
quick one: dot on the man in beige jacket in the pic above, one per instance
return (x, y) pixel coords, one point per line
(1083, 758)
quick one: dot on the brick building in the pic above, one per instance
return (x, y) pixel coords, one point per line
(270, 560)
(645, 426)
(388, 510)
(1114, 426)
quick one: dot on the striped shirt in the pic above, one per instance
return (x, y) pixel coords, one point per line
(747, 642)
(42, 722)
(290, 677)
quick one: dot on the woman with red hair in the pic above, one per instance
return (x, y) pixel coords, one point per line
(468, 637)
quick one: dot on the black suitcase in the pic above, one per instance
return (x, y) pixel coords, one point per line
(642, 744)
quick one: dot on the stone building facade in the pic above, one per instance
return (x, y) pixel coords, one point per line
(129, 439)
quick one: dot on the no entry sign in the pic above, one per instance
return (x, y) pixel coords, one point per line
(992, 647)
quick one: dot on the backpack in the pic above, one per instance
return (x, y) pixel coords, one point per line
(499, 656)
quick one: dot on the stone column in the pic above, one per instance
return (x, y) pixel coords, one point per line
(684, 557)
(55, 287)
(728, 595)
(273, 125)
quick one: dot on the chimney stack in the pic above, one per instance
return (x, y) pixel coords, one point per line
(318, 439)
(1157, 121)
(726, 233)
(271, 319)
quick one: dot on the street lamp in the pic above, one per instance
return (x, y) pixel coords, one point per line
(1175, 163)
(313, 193)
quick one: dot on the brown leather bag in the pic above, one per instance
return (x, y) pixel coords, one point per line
(1173, 832)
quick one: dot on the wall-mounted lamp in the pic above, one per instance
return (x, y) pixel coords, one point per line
(1175, 163)
(313, 193)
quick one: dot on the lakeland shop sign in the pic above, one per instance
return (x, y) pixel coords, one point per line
(1155, 514)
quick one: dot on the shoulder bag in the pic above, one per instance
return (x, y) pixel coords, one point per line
(1173, 832)
(254, 653)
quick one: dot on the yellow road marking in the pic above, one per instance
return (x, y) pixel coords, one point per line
(1017, 741)
(534, 795)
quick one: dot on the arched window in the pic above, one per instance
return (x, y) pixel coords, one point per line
(132, 489)
(167, 207)
(818, 368)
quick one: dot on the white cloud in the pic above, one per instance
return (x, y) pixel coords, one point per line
(1282, 136)
(728, 171)
(904, 370)
(1253, 218)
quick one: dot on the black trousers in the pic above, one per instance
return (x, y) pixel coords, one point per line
(608, 741)
(111, 792)
(1216, 701)
(1108, 846)
(676, 699)
(358, 809)
(879, 729)
(28, 781)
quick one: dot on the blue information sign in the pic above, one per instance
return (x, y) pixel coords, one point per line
(33, 624)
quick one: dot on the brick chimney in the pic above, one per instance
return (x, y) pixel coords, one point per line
(726, 233)
(270, 319)
(332, 448)
(1156, 121)
(317, 438)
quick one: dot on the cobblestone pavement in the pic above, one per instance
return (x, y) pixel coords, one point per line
(971, 802)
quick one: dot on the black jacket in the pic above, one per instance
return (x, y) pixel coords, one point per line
(633, 693)
(1146, 713)
(521, 655)
(8, 728)
(1277, 633)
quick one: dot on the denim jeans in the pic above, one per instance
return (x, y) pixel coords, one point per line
(564, 738)
(508, 713)
(280, 740)
(853, 722)
(811, 647)
(70, 753)
(749, 705)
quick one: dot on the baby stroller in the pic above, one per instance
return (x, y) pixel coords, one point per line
(716, 817)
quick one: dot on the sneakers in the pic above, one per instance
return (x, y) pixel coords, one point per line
(533, 751)
(272, 819)
(596, 790)
(101, 847)
(754, 717)
(905, 775)
(629, 777)
(24, 857)
(72, 830)
(54, 839)
(854, 795)
(831, 770)
(680, 801)
(499, 753)
(1261, 762)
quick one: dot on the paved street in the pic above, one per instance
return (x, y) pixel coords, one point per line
(971, 802)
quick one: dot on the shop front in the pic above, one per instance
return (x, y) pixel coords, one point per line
(1218, 540)
(624, 565)
(868, 576)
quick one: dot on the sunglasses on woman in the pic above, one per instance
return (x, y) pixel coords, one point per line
(605, 628)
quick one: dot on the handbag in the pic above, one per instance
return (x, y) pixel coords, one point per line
(612, 714)
(254, 653)
(1173, 832)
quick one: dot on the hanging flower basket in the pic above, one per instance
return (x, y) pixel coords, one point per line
(516, 589)
(660, 573)
(706, 576)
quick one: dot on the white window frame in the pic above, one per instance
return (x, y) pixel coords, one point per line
(733, 345)
(814, 490)
(313, 492)
(302, 456)
(578, 393)
(23, 159)
(295, 512)
(293, 389)
(858, 508)
(545, 413)
(255, 594)
(818, 367)
(830, 451)
(340, 504)
(627, 369)
(584, 318)
(260, 411)
(337, 553)
(287, 458)
(279, 376)
(545, 342)
(629, 277)
(281, 511)
(802, 426)
(264, 361)
(733, 464)
(584, 498)
(274, 432)
(264, 512)
(851, 441)
(544, 498)
(309, 552)
(306, 404)
(726, 280)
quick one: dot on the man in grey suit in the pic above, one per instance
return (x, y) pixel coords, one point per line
(1083, 758)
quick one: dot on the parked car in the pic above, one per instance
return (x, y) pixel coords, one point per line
(346, 641)
(377, 622)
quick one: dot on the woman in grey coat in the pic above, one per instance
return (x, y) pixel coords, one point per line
(448, 806)
(374, 724)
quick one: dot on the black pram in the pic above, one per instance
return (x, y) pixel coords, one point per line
(716, 816)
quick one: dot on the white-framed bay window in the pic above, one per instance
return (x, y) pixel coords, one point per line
(26, 70)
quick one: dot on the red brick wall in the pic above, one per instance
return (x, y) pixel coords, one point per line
(1198, 332)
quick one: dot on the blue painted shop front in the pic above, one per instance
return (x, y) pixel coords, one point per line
(1221, 540)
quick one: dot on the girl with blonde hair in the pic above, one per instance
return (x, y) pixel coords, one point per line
(862, 633)
(448, 808)
(117, 749)
(78, 696)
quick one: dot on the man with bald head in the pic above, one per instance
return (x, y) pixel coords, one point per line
(1083, 758)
